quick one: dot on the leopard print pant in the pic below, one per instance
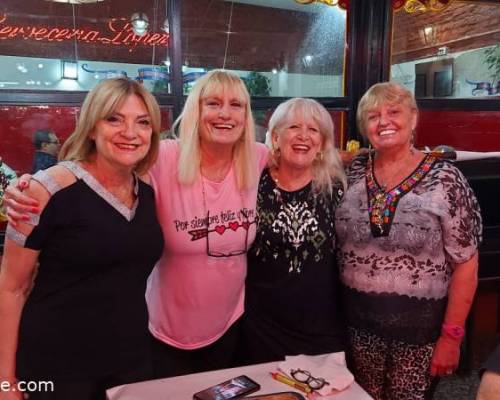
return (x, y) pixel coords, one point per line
(389, 369)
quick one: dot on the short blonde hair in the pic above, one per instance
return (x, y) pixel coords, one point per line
(100, 103)
(214, 82)
(326, 168)
(380, 93)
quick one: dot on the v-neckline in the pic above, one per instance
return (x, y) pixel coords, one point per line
(381, 204)
(101, 191)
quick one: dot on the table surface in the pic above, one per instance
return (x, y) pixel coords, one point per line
(183, 387)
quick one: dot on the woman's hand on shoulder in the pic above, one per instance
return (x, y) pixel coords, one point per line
(18, 202)
(347, 157)
(28, 196)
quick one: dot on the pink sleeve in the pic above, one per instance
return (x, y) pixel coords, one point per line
(166, 163)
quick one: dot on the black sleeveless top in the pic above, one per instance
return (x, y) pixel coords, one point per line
(87, 313)
(292, 288)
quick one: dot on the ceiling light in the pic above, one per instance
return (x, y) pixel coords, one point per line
(166, 26)
(140, 23)
(69, 70)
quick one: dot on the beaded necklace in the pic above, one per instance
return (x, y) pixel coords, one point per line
(381, 204)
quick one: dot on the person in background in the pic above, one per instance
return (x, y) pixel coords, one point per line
(46, 150)
(489, 388)
(408, 230)
(292, 286)
(83, 324)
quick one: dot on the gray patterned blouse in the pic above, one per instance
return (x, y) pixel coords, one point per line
(396, 284)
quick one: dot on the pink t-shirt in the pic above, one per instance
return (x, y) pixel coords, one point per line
(194, 298)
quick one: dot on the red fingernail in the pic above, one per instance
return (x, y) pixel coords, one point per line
(24, 184)
(35, 210)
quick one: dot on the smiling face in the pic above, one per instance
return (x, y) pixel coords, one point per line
(123, 139)
(299, 141)
(389, 126)
(222, 117)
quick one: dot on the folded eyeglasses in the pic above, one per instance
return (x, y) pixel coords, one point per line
(305, 377)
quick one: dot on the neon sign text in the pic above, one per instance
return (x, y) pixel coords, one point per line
(119, 33)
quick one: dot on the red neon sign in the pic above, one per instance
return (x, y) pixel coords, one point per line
(119, 33)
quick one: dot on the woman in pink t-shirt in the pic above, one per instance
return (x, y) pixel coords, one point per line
(206, 189)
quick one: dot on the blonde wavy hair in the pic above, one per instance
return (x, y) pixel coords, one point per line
(100, 103)
(327, 168)
(213, 83)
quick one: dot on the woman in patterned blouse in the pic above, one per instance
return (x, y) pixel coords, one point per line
(292, 284)
(408, 229)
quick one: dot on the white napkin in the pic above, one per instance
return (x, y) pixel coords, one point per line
(331, 367)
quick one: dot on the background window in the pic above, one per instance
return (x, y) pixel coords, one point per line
(452, 53)
(47, 45)
(281, 48)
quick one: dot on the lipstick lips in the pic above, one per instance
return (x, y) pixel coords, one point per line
(223, 126)
(127, 146)
(301, 147)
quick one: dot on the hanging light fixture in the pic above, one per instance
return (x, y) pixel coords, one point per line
(428, 35)
(76, 1)
(166, 25)
(140, 23)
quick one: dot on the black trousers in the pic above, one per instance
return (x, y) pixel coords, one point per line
(170, 361)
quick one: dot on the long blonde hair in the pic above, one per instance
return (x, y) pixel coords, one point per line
(188, 122)
(326, 168)
(100, 103)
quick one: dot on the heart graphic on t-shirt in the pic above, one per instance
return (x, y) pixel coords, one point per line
(233, 225)
(220, 229)
(245, 225)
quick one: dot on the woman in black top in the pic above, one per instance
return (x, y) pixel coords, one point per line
(292, 284)
(84, 324)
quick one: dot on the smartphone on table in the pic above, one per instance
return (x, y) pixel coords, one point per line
(234, 388)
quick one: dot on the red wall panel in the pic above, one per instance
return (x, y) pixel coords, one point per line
(464, 130)
(18, 123)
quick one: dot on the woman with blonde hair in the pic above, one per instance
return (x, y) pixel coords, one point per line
(408, 230)
(206, 189)
(82, 325)
(292, 285)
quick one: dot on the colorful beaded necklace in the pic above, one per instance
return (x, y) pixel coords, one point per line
(381, 204)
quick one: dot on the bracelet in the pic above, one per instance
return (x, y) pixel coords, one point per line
(453, 331)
